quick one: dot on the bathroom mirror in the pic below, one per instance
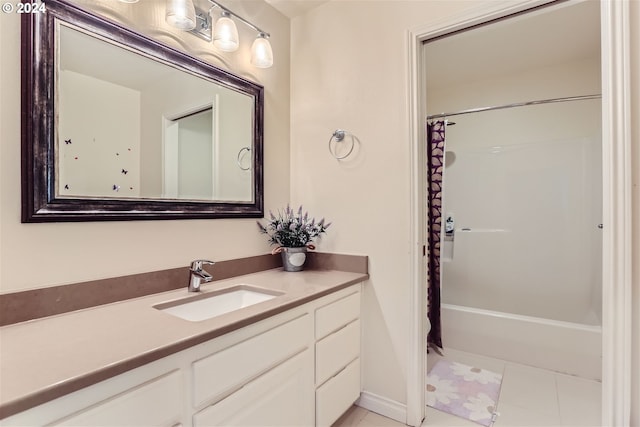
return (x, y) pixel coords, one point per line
(117, 126)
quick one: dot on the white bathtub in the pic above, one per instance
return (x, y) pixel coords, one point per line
(565, 347)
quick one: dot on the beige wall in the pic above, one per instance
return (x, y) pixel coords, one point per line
(37, 255)
(349, 71)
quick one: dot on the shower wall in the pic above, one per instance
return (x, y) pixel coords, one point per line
(524, 187)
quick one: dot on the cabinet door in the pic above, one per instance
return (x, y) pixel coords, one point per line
(335, 396)
(282, 396)
(336, 351)
(155, 403)
(335, 315)
(224, 371)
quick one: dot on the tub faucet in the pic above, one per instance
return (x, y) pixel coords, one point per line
(198, 275)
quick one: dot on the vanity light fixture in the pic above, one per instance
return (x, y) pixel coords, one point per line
(129, 1)
(225, 33)
(261, 53)
(181, 14)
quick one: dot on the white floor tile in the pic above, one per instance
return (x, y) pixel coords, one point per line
(529, 397)
(475, 360)
(432, 359)
(374, 420)
(580, 401)
(438, 418)
(529, 388)
(516, 416)
(352, 417)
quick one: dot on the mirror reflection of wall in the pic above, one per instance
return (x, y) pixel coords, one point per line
(112, 133)
(99, 137)
(188, 156)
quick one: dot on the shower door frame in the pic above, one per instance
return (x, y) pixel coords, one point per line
(617, 242)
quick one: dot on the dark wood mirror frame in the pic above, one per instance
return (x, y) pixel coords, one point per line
(39, 201)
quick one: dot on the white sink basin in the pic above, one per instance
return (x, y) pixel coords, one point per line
(212, 304)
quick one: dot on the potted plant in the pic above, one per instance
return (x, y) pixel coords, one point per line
(293, 233)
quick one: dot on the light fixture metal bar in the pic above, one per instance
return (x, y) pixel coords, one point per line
(240, 18)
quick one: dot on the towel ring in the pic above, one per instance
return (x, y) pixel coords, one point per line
(240, 156)
(339, 136)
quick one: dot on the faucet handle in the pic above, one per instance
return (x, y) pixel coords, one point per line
(197, 264)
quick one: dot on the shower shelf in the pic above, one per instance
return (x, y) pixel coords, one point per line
(482, 230)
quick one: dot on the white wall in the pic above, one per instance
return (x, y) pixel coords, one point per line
(99, 149)
(73, 252)
(232, 182)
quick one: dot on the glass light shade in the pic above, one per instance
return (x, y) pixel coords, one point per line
(225, 34)
(261, 53)
(129, 1)
(181, 14)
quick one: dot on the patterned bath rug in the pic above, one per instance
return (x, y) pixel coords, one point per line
(464, 391)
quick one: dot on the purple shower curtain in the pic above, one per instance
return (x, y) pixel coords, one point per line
(435, 169)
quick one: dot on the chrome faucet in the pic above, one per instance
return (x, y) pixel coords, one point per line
(198, 275)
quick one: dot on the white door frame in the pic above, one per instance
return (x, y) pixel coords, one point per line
(616, 125)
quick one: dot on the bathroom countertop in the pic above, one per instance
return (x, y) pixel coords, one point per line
(46, 358)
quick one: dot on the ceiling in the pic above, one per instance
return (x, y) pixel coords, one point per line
(548, 36)
(293, 8)
(531, 40)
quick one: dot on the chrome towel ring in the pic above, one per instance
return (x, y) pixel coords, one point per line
(240, 157)
(339, 137)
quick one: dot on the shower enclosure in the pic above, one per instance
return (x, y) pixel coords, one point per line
(521, 269)
(521, 265)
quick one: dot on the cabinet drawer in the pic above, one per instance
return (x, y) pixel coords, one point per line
(337, 314)
(155, 403)
(221, 373)
(336, 351)
(281, 397)
(336, 396)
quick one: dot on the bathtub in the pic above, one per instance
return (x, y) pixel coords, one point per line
(565, 347)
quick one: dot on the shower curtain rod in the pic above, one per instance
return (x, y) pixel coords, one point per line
(518, 104)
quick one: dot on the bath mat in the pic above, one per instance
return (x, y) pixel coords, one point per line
(464, 391)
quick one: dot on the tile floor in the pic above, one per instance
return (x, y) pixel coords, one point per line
(529, 397)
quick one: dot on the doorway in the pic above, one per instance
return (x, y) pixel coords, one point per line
(522, 187)
(616, 332)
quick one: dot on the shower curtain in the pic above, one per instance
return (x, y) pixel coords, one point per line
(435, 170)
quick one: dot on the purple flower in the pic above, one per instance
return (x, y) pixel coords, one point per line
(292, 228)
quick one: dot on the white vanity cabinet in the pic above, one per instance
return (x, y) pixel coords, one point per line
(283, 396)
(298, 368)
(151, 395)
(264, 380)
(155, 403)
(337, 332)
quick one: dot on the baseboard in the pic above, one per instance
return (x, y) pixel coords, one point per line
(383, 406)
